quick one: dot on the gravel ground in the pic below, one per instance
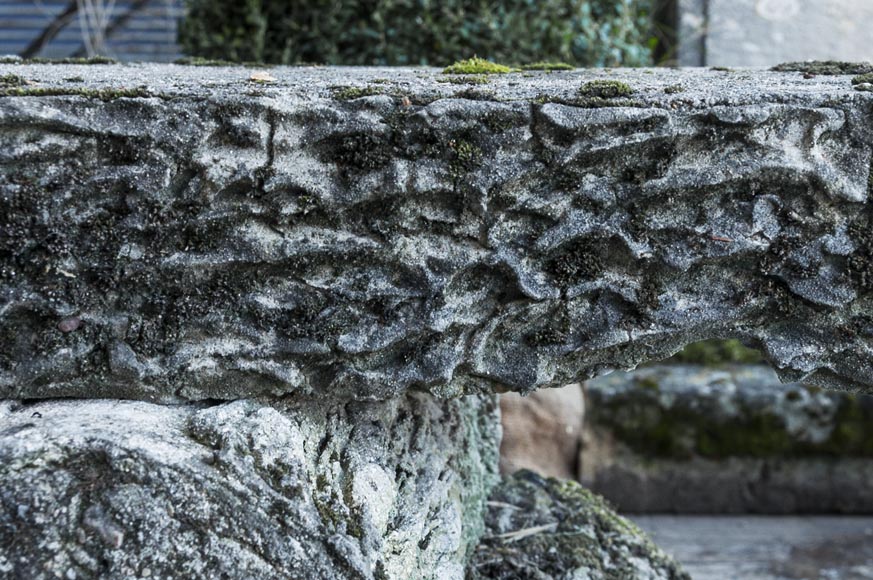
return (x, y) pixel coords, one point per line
(767, 547)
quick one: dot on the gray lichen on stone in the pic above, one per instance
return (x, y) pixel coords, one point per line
(246, 489)
(213, 244)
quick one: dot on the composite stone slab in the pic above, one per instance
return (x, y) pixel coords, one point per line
(172, 232)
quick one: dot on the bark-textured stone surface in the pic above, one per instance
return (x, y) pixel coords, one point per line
(548, 529)
(692, 439)
(172, 232)
(246, 489)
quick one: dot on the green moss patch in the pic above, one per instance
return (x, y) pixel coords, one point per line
(863, 82)
(476, 66)
(12, 80)
(826, 67)
(716, 352)
(102, 94)
(674, 89)
(351, 93)
(200, 61)
(605, 89)
(465, 80)
(548, 66)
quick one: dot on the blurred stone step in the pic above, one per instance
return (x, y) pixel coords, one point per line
(694, 439)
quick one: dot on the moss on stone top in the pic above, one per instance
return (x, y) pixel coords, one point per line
(476, 66)
(12, 80)
(352, 93)
(465, 80)
(200, 61)
(548, 66)
(605, 89)
(863, 82)
(825, 67)
(102, 94)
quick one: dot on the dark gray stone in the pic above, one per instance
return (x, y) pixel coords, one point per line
(246, 489)
(217, 237)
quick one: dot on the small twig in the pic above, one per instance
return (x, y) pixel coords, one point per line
(525, 533)
(721, 239)
(502, 504)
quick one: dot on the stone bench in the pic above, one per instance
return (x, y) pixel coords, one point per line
(270, 289)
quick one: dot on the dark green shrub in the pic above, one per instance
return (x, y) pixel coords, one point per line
(413, 32)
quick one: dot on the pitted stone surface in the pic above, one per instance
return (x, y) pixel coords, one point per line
(208, 236)
(246, 489)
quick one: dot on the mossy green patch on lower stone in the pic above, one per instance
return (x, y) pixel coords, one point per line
(548, 66)
(200, 61)
(465, 80)
(476, 66)
(588, 102)
(674, 89)
(605, 89)
(12, 80)
(102, 94)
(352, 93)
(826, 67)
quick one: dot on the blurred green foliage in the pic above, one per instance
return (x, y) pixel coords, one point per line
(420, 32)
(716, 352)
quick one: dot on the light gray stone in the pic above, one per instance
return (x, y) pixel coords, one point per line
(205, 235)
(245, 489)
(767, 32)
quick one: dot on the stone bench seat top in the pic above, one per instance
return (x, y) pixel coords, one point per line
(176, 232)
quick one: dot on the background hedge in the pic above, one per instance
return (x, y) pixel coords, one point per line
(412, 32)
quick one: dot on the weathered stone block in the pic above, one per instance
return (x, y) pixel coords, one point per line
(174, 232)
(692, 439)
(246, 489)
